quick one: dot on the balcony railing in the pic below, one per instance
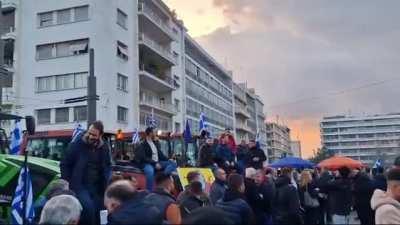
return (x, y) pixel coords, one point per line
(163, 51)
(146, 10)
(167, 79)
(8, 33)
(157, 104)
(242, 111)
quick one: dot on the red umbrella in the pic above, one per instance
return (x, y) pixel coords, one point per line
(336, 162)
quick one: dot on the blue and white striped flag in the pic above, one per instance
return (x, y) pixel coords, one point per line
(378, 163)
(16, 138)
(23, 192)
(202, 122)
(151, 121)
(135, 136)
(77, 131)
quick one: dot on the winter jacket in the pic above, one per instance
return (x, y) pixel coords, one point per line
(380, 182)
(340, 193)
(242, 153)
(206, 156)
(217, 191)
(224, 154)
(166, 205)
(260, 198)
(387, 209)
(234, 205)
(311, 189)
(255, 153)
(74, 164)
(363, 189)
(144, 154)
(189, 202)
(286, 203)
(135, 211)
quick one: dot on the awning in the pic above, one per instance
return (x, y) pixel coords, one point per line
(124, 51)
(79, 47)
(4, 116)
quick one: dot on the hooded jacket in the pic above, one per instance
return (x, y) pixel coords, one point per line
(387, 209)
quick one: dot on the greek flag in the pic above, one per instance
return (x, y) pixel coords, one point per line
(16, 138)
(23, 192)
(378, 163)
(202, 123)
(151, 121)
(135, 137)
(77, 131)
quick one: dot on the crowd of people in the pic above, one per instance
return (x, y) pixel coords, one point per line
(245, 191)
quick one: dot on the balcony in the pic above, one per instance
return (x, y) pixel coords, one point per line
(156, 83)
(9, 65)
(157, 104)
(241, 111)
(8, 5)
(152, 48)
(261, 115)
(243, 127)
(8, 33)
(151, 17)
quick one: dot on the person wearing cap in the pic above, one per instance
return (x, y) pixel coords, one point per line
(150, 158)
(386, 204)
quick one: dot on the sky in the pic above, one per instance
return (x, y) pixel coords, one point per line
(305, 58)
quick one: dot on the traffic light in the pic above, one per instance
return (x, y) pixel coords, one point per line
(120, 135)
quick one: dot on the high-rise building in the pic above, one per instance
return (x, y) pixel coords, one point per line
(208, 90)
(278, 141)
(138, 62)
(364, 138)
(295, 148)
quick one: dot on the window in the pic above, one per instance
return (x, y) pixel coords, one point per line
(80, 80)
(64, 16)
(65, 82)
(177, 105)
(44, 84)
(80, 113)
(79, 47)
(44, 51)
(81, 13)
(122, 50)
(62, 115)
(62, 49)
(122, 114)
(45, 19)
(43, 116)
(121, 18)
(177, 127)
(122, 82)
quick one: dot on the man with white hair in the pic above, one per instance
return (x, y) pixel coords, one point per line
(62, 210)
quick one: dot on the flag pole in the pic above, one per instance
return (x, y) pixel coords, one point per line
(25, 166)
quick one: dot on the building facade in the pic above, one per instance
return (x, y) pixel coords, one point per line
(364, 138)
(278, 141)
(208, 90)
(295, 148)
(138, 47)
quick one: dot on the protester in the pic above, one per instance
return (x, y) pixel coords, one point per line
(125, 206)
(224, 156)
(379, 179)
(233, 203)
(219, 186)
(62, 209)
(151, 159)
(363, 189)
(87, 167)
(324, 199)
(255, 156)
(207, 155)
(341, 196)
(194, 196)
(208, 215)
(55, 187)
(309, 198)
(241, 154)
(386, 204)
(163, 199)
(286, 204)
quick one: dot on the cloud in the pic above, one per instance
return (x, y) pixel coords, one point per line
(291, 50)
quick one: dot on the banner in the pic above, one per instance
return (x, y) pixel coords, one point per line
(207, 176)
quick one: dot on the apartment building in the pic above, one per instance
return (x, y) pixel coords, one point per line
(278, 141)
(208, 89)
(295, 148)
(243, 132)
(364, 138)
(138, 62)
(260, 122)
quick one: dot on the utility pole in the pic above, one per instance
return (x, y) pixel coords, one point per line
(91, 90)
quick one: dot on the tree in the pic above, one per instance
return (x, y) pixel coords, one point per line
(322, 154)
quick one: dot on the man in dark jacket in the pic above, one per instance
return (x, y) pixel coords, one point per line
(219, 186)
(86, 165)
(150, 158)
(125, 206)
(163, 199)
(224, 155)
(341, 196)
(255, 157)
(233, 202)
(287, 202)
(241, 155)
(206, 154)
(363, 190)
(379, 179)
(324, 199)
